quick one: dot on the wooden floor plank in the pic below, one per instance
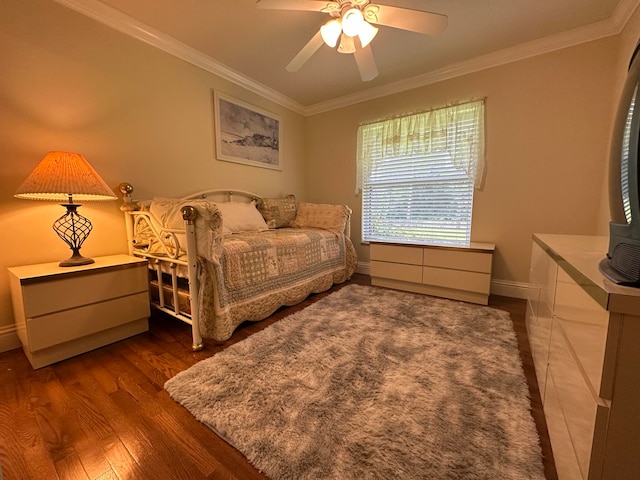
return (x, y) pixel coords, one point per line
(70, 467)
(105, 415)
(157, 364)
(58, 428)
(11, 453)
(86, 425)
(138, 456)
(122, 463)
(22, 438)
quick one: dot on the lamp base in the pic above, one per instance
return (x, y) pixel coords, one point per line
(74, 229)
(76, 260)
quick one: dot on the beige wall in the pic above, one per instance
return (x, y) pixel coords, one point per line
(143, 116)
(136, 113)
(547, 130)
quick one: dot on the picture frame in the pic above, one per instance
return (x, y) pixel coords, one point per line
(246, 134)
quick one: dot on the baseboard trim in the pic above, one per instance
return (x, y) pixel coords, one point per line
(505, 288)
(363, 268)
(9, 338)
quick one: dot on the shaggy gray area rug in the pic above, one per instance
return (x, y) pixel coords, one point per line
(369, 383)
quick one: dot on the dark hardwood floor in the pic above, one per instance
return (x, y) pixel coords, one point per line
(105, 415)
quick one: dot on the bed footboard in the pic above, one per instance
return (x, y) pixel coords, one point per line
(163, 249)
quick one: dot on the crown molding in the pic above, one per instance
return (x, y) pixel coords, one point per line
(117, 20)
(623, 12)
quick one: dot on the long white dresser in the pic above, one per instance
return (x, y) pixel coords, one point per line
(461, 272)
(584, 333)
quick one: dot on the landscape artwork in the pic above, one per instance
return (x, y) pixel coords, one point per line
(246, 134)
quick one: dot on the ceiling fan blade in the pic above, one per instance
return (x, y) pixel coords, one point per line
(366, 63)
(303, 5)
(305, 54)
(407, 19)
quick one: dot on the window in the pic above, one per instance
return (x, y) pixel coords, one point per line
(417, 175)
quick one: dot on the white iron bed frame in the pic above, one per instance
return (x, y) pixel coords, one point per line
(169, 256)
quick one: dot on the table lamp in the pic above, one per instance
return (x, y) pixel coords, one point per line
(67, 176)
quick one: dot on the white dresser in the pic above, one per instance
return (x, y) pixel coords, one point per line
(65, 311)
(584, 333)
(460, 273)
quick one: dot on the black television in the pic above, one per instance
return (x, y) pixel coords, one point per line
(622, 263)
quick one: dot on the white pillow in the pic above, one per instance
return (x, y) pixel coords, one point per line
(241, 217)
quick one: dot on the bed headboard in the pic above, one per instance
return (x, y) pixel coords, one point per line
(225, 195)
(218, 195)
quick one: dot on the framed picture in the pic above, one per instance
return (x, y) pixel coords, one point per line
(246, 134)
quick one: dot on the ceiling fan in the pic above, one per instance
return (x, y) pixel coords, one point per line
(355, 19)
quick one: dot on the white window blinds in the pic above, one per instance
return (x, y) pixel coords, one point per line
(417, 174)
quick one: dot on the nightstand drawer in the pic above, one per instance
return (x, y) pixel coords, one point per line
(397, 271)
(53, 329)
(396, 254)
(457, 260)
(41, 298)
(457, 279)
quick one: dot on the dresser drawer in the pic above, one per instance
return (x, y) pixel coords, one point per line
(56, 328)
(543, 275)
(563, 453)
(397, 271)
(396, 254)
(539, 331)
(458, 260)
(577, 401)
(457, 279)
(67, 292)
(585, 324)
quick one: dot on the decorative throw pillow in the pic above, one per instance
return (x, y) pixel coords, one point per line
(241, 217)
(320, 215)
(278, 212)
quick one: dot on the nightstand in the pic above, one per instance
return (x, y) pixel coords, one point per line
(64, 311)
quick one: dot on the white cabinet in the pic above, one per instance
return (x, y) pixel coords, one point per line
(65, 311)
(461, 273)
(584, 334)
(542, 274)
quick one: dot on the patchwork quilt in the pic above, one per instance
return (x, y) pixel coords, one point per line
(247, 275)
(258, 272)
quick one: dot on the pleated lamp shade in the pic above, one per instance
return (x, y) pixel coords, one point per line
(61, 175)
(65, 177)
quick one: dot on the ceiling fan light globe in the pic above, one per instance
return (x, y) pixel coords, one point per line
(331, 31)
(347, 44)
(367, 33)
(352, 19)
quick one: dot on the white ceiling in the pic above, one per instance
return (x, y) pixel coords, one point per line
(252, 46)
